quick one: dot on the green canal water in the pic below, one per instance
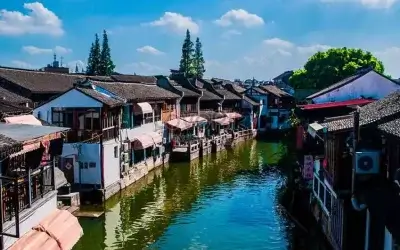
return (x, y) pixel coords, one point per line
(224, 201)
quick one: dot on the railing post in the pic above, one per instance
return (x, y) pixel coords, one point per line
(53, 168)
(29, 187)
(16, 206)
(41, 182)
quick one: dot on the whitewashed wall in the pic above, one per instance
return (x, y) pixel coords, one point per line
(70, 99)
(90, 152)
(370, 85)
(31, 217)
(111, 163)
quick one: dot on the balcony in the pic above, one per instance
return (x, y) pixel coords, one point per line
(19, 193)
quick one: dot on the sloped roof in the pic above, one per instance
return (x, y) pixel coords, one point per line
(381, 110)
(12, 97)
(228, 95)
(209, 96)
(251, 101)
(272, 89)
(135, 79)
(137, 91)
(7, 143)
(187, 92)
(107, 100)
(7, 107)
(39, 81)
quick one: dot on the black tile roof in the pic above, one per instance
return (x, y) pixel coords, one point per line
(107, 100)
(7, 107)
(380, 111)
(135, 79)
(250, 100)
(12, 97)
(40, 81)
(210, 115)
(187, 92)
(137, 91)
(272, 89)
(228, 95)
(209, 96)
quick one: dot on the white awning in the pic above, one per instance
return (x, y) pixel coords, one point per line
(313, 129)
(142, 108)
(179, 123)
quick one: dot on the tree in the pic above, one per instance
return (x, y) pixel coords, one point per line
(93, 67)
(198, 60)
(107, 66)
(326, 68)
(186, 63)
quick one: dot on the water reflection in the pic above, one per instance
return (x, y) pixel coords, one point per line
(223, 201)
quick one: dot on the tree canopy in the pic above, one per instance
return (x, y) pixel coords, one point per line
(326, 68)
(99, 61)
(198, 59)
(186, 63)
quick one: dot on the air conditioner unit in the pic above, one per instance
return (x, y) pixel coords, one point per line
(367, 162)
(125, 147)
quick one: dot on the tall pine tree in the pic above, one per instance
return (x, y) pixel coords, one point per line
(186, 63)
(93, 67)
(198, 60)
(106, 64)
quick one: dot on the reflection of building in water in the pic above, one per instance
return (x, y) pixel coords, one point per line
(120, 227)
(253, 159)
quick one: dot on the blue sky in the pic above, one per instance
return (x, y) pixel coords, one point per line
(241, 38)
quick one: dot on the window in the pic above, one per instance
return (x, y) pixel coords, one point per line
(116, 152)
(92, 164)
(138, 120)
(62, 118)
(148, 118)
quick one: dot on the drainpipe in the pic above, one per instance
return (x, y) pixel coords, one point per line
(356, 127)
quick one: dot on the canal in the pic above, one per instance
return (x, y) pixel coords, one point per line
(225, 201)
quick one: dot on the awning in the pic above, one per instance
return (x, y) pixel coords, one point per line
(58, 231)
(179, 123)
(314, 128)
(27, 148)
(223, 121)
(195, 119)
(23, 119)
(146, 140)
(142, 108)
(234, 115)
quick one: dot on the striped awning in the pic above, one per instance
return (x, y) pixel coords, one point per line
(146, 140)
(234, 115)
(223, 121)
(195, 119)
(142, 108)
(179, 124)
(60, 230)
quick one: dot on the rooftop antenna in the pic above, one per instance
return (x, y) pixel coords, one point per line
(61, 61)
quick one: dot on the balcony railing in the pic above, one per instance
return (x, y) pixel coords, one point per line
(19, 193)
(83, 135)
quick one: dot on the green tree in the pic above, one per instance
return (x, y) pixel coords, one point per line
(106, 66)
(93, 67)
(198, 60)
(326, 68)
(186, 63)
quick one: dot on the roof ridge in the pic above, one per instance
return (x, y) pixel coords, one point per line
(36, 71)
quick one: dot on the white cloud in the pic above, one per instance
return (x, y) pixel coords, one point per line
(277, 42)
(390, 58)
(176, 22)
(22, 64)
(33, 50)
(142, 68)
(149, 50)
(240, 17)
(373, 4)
(230, 33)
(39, 20)
(72, 65)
